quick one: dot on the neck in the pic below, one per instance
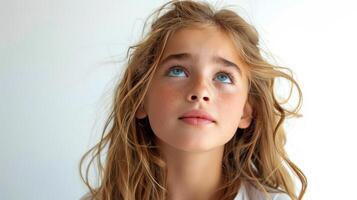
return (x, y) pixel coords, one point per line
(193, 175)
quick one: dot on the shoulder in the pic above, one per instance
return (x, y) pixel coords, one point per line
(280, 196)
(250, 193)
(86, 196)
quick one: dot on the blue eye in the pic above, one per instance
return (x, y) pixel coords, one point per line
(222, 75)
(225, 77)
(175, 70)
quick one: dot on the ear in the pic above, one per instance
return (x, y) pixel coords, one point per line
(140, 113)
(246, 119)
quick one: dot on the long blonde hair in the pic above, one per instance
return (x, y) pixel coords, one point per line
(133, 166)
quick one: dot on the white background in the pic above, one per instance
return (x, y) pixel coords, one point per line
(57, 72)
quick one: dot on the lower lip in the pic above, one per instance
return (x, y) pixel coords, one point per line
(196, 121)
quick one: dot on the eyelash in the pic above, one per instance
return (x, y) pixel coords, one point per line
(230, 75)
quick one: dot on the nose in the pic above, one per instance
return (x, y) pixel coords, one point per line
(199, 92)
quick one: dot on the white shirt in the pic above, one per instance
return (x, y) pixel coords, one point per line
(243, 194)
(253, 194)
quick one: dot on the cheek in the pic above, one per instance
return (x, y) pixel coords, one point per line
(162, 108)
(231, 107)
(162, 100)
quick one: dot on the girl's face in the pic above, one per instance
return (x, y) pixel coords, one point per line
(200, 69)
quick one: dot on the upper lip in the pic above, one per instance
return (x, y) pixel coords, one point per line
(197, 114)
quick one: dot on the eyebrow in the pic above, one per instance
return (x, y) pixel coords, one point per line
(187, 56)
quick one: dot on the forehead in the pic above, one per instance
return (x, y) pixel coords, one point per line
(203, 40)
(202, 43)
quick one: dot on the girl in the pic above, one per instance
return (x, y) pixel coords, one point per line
(196, 115)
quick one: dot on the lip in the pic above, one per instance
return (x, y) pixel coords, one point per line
(197, 117)
(196, 121)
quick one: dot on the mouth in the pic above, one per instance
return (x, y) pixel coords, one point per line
(197, 117)
(196, 120)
